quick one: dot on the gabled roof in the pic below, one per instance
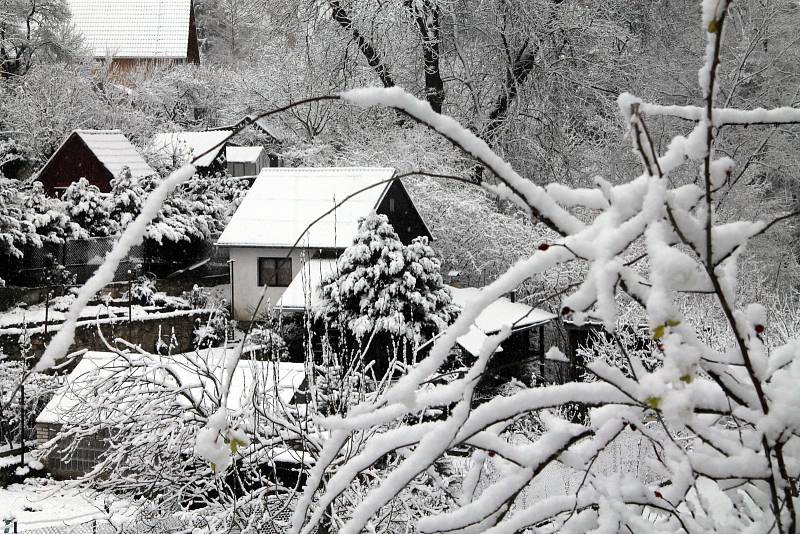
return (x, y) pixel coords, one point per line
(112, 149)
(283, 201)
(243, 154)
(180, 147)
(133, 28)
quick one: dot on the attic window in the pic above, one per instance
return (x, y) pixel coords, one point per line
(274, 272)
(391, 205)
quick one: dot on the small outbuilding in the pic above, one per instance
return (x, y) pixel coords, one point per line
(246, 160)
(196, 375)
(97, 155)
(132, 34)
(299, 220)
(174, 149)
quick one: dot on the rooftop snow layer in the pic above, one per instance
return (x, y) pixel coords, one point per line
(501, 312)
(179, 147)
(283, 201)
(114, 151)
(243, 154)
(289, 378)
(303, 292)
(133, 28)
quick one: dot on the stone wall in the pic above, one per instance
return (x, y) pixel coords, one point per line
(144, 332)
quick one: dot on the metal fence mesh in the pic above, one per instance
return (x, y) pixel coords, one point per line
(81, 257)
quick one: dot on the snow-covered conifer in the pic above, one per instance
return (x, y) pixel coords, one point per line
(383, 286)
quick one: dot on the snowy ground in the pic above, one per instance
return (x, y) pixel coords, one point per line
(35, 315)
(38, 503)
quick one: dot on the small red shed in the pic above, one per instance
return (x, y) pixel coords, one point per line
(97, 155)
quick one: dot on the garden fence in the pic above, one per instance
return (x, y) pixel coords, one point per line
(81, 257)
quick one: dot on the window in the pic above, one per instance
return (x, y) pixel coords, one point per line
(275, 272)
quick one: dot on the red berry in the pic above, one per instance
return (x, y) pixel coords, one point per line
(728, 173)
(658, 494)
(760, 328)
(491, 454)
(566, 310)
(660, 346)
(544, 246)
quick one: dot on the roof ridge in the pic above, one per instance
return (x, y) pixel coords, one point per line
(82, 131)
(355, 168)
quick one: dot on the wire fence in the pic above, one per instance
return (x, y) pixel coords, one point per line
(275, 519)
(75, 260)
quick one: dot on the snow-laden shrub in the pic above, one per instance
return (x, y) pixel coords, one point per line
(89, 209)
(214, 331)
(271, 345)
(197, 297)
(143, 290)
(39, 389)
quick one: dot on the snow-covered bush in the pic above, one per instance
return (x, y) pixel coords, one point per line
(143, 290)
(39, 389)
(89, 209)
(197, 297)
(213, 332)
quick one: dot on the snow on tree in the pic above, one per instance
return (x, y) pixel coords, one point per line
(720, 424)
(127, 197)
(383, 286)
(89, 208)
(47, 214)
(15, 231)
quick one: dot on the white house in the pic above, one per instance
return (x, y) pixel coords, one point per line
(294, 223)
(178, 148)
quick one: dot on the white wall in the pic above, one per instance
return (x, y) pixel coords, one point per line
(245, 278)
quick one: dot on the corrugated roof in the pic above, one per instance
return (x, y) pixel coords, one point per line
(133, 28)
(283, 201)
(114, 151)
(243, 154)
(179, 147)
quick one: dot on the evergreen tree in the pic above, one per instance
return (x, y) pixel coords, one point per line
(384, 287)
(88, 208)
(127, 196)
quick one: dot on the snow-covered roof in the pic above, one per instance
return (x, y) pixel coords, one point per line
(179, 147)
(112, 149)
(303, 292)
(133, 28)
(473, 341)
(501, 312)
(283, 201)
(243, 154)
(289, 378)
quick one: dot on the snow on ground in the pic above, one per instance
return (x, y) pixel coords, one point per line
(35, 315)
(38, 503)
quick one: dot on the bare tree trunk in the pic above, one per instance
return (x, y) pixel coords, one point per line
(340, 15)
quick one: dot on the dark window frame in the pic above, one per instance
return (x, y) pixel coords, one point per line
(280, 275)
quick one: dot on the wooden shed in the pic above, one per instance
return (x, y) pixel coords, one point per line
(133, 34)
(246, 160)
(97, 155)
